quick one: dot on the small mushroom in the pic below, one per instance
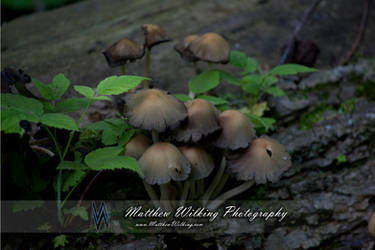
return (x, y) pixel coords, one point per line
(264, 160)
(210, 47)
(154, 35)
(237, 130)
(182, 48)
(202, 121)
(154, 109)
(123, 51)
(137, 146)
(371, 225)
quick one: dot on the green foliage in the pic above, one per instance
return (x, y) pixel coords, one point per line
(259, 123)
(291, 69)
(226, 77)
(182, 97)
(60, 241)
(341, 159)
(204, 82)
(213, 99)
(77, 211)
(71, 179)
(125, 138)
(115, 85)
(240, 60)
(71, 105)
(57, 120)
(84, 90)
(108, 159)
(111, 129)
(55, 90)
(71, 165)
(308, 119)
(348, 105)
(26, 205)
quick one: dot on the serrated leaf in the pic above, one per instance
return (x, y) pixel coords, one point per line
(60, 241)
(71, 165)
(71, 105)
(57, 120)
(59, 85)
(291, 69)
(213, 99)
(182, 97)
(275, 91)
(77, 211)
(10, 123)
(224, 76)
(251, 66)
(26, 205)
(115, 85)
(72, 178)
(84, 90)
(44, 89)
(108, 158)
(204, 81)
(109, 136)
(237, 58)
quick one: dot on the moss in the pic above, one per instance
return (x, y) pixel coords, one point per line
(308, 119)
(366, 89)
(348, 105)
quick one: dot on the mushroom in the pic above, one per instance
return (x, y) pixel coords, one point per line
(371, 225)
(185, 53)
(202, 121)
(123, 51)
(211, 48)
(264, 160)
(155, 110)
(201, 164)
(161, 163)
(154, 35)
(137, 146)
(237, 132)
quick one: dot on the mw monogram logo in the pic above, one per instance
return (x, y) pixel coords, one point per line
(99, 216)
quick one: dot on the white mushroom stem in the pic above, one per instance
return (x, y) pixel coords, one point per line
(192, 190)
(164, 196)
(214, 182)
(200, 187)
(191, 94)
(151, 192)
(221, 185)
(147, 68)
(185, 192)
(229, 194)
(155, 136)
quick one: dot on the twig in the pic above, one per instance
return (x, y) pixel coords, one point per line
(360, 33)
(297, 29)
(44, 150)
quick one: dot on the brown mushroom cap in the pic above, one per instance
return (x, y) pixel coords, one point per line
(182, 46)
(211, 47)
(264, 160)
(137, 146)
(163, 162)
(201, 162)
(123, 51)
(154, 35)
(154, 109)
(371, 225)
(237, 130)
(202, 120)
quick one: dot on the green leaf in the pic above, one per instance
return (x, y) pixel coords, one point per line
(291, 69)
(60, 241)
(26, 205)
(77, 211)
(125, 138)
(84, 90)
(108, 158)
(275, 91)
(182, 97)
(71, 165)
(341, 159)
(259, 122)
(252, 84)
(115, 85)
(229, 78)
(57, 120)
(213, 99)
(72, 178)
(238, 58)
(204, 81)
(71, 105)
(112, 129)
(44, 89)
(59, 85)
(101, 98)
(251, 66)
(269, 80)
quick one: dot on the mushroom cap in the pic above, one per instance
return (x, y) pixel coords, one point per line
(182, 46)
(137, 146)
(201, 162)
(371, 225)
(163, 162)
(123, 51)
(211, 47)
(154, 109)
(154, 35)
(237, 130)
(264, 160)
(203, 119)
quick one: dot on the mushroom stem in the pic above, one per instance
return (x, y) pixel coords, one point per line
(229, 194)
(214, 182)
(196, 68)
(200, 187)
(155, 136)
(221, 185)
(147, 68)
(123, 70)
(164, 196)
(192, 190)
(191, 94)
(151, 192)
(185, 192)
(179, 186)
